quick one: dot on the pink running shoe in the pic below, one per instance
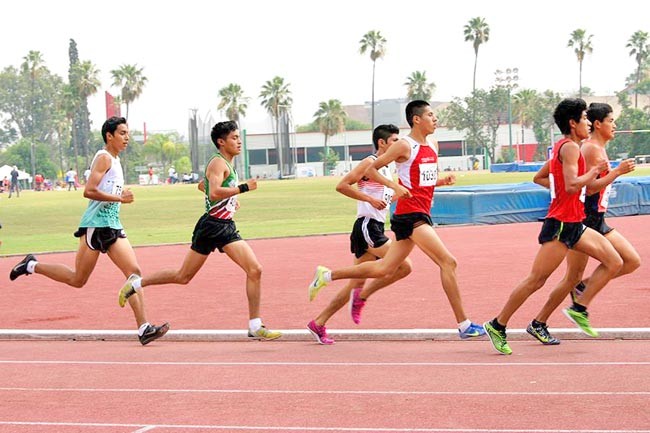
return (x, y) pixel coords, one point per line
(356, 305)
(320, 333)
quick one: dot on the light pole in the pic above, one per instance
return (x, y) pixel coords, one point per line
(508, 80)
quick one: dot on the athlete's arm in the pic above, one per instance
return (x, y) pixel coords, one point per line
(398, 152)
(570, 154)
(593, 154)
(345, 185)
(216, 172)
(101, 165)
(541, 177)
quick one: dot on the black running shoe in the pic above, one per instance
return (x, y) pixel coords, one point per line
(153, 332)
(540, 331)
(21, 268)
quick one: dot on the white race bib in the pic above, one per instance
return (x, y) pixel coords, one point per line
(428, 174)
(604, 200)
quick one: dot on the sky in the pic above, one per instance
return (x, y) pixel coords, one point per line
(192, 48)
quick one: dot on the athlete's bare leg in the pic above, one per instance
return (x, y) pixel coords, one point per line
(397, 252)
(242, 254)
(576, 263)
(85, 262)
(121, 253)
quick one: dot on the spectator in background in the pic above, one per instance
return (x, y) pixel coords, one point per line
(86, 175)
(14, 182)
(38, 180)
(70, 178)
(173, 176)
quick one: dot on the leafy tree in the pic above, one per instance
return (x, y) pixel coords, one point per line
(582, 46)
(467, 115)
(476, 31)
(523, 107)
(233, 102)
(495, 106)
(640, 49)
(330, 119)
(19, 155)
(418, 87)
(131, 81)
(276, 99)
(542, 120)
(631, 144)
(374, 43)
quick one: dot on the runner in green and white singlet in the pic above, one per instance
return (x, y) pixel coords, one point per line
(216, 229)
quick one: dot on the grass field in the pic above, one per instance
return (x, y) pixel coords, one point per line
(45, 221)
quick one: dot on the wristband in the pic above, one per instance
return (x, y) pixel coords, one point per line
(243, 187)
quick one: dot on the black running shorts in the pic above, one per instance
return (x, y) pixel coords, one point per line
(403, 225)
(567, 233)
(213, 233)
(597, 222)
(366, 233)
(100, 238)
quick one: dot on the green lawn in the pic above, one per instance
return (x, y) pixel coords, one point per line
(45, 221)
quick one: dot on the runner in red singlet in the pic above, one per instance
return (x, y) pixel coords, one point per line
(594, 149)
(563, 228)
(417, 168)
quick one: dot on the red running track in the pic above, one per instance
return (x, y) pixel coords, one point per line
(65, 387)
(491, 261)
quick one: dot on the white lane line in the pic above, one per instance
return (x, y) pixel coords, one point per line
(324, 391)
(331, 364)
(316, 429)
(145, 429)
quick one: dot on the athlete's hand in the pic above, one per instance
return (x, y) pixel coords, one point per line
(201, 185)
(252, 184)
(626, 166)
(449, 180)
(127, 196)
(601, 165)
(402, 192)
(377, 203)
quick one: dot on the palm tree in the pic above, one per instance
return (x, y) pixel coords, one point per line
(582, 45)
(33, 62)
(476, 31)
(233, 102)
(131, 81)
(374, 42)
(418, 88)
(330, 119)
(87, 80)
(524, 105)
(276, 99)
(639, 48)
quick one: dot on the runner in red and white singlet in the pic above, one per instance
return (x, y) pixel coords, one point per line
(419, 174)
(417, 167)
(565, 206)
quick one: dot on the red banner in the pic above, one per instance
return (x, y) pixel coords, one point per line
(112, 108)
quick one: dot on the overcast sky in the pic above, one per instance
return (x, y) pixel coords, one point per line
(190, 49)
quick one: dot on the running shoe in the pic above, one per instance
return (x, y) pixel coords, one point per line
(153, 332)
(264, 334)
(318, 282)
(21, 267)
(474, 330)
(581, 319)
(497, 338)
(356, 305)
(540, 331)
(320, 333)
(127, 290)
(576, 292)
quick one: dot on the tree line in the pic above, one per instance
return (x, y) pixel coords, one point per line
(47, 122)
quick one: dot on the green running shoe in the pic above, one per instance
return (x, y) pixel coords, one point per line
(580, 319)
(318, 282)
(498, 338)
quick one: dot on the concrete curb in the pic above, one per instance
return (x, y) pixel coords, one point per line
(304, 335)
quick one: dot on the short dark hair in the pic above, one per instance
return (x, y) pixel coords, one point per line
(382, 132)
(221, 130)
(414, 108)
(111, 124)
(598, 111)
(568, 109)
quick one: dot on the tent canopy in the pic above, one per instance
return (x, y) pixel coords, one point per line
(5, 170)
